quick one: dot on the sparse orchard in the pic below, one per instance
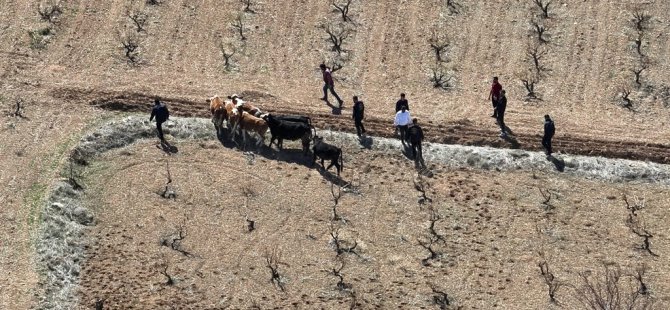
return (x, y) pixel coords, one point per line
(228, 51)
(550, 280)
(337, 34)
(139, 19)
(238, 25)
(535, 52)
(440, 78)
(130, 44)
(625, 100)
(439, 43)
(248, 4)
(612, 290)
(272, 262)
(540, 31)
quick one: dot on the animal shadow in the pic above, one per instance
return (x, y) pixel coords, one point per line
(558, 163)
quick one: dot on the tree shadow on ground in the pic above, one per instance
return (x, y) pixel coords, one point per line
(558, 163)
(514, 143)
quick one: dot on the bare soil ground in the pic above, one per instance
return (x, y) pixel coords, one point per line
(493, 230)
(82, 67)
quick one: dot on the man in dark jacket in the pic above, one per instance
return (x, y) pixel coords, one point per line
(549, 131)
(161, 113)
(358, 115)
(415, 134)
(329, 84)
(500, 111)
(401, 103)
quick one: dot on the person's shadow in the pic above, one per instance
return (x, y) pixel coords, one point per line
(558, 163)
(168, 148)
(335, 110)
(366, 141)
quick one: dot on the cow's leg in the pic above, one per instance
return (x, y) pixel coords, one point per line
(322, 164)
(314, 159)
(337, 165)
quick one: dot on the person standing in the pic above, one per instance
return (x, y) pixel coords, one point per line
(494, 94)
(329, 84)
(415, 134)
(402, 121)
(161, 113)
(402, 102)
(500, 109)
(358, 115)
(549, 130)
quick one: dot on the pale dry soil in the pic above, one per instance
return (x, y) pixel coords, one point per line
(494, 227)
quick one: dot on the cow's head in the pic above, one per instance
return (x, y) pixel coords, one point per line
(317, 139)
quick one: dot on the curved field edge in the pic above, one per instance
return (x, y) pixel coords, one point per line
(62, 243)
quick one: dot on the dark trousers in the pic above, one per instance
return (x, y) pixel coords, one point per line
(403, 133)
(159, 127)
(360, 129)
(327, 87)
(546, 142)
(500, 117)
(494, 102)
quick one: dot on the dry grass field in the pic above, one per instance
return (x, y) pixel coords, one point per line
(69, 69)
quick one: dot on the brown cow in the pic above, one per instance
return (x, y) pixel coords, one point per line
(245, 106)
(216, 106)
(252, 125)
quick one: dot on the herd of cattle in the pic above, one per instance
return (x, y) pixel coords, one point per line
(245, 119)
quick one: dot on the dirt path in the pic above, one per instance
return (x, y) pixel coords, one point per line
(462, 132)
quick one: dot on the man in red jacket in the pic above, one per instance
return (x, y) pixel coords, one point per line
(494, 95)
(328, 84)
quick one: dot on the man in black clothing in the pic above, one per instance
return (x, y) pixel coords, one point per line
(415, 134)
(160, 111)
(500, 113)
(401, 103)
(549, 131)
(358, 115)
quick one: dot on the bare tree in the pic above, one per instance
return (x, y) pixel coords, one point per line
(640, 20)
(168, 193)
(337, 36)
(544, 7)
(428, 245)
(440, 78)
(341, 285)
(339, 244)
(535, 53)
(552, 284)
(272, 260)
(546, 194)
(238, 24)
(439, 44)
(227, 52)
(170, 279)
(343, 9)
(540, 30)
(247, 6)
(440, 298)
(626, 101)
(335, 65)
(638, 71)
(100, 304)
(131, 48)
(613, 291)
(529, 81)
(422, 186)
(18, 110)
(174, 240)
(638, 43)
(139, 19)
(50, 11)
(154, 2)
(337, 194)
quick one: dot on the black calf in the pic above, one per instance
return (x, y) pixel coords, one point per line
(326, 151)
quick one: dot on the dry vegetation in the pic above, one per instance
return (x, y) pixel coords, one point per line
(471, 240)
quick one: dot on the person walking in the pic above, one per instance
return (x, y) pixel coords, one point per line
(402, 102)
(500, 109)
(329, 84)
(402, 121)
(161, 113)
(415, 134)
(358, 115)
(494, 94)
(549, 130)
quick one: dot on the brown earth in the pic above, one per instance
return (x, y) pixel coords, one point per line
(590, 57)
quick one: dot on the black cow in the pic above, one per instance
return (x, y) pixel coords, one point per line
(294, 118)
(326, 151)
(281, 129)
